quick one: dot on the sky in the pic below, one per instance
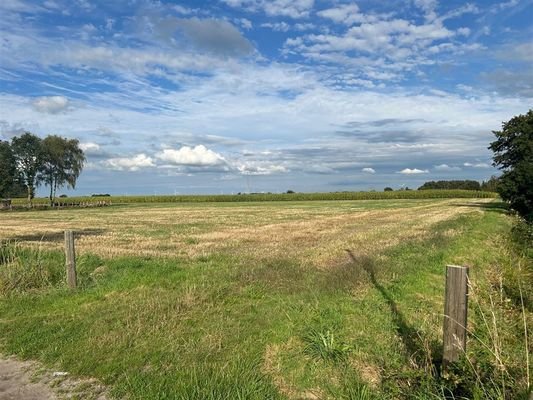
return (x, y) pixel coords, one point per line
(227, 96)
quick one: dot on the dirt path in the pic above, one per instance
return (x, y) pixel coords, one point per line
(16, 382)
(26, 380)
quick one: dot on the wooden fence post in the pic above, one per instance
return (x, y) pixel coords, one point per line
(70, 259)
(455, 313)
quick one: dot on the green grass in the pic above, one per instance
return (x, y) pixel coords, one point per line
(225, 326)
(401, 194)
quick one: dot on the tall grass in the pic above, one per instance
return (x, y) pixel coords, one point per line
(496, 364)
(26, 268)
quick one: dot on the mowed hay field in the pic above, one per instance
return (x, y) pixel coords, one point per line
(288, 300)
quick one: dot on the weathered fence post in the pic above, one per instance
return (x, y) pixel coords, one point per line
(455, 313)
(70, 259)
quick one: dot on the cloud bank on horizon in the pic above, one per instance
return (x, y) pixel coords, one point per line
(267, 95)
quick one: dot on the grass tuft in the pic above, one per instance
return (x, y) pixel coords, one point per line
(323, 345)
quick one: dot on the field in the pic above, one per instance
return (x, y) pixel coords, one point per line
(254, 197)
(267, 300)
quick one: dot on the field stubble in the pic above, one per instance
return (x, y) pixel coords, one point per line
(318, 236)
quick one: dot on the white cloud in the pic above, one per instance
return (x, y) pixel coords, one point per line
(51, 104)
(283, 8)
(446, 167)
(428, 6)
(346, 14)
(369, 170)
(19, 6)
(90, 147)
(246, 23)
(129, 164)
(463, 31)
(504, 5)
(277, 26)
(199, 156)
(477, 165)
(256, 168)
(409, 171)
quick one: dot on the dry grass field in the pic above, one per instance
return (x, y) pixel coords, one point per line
(288, 300)
(317, 233)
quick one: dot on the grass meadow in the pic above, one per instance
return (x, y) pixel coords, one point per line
(270, 300)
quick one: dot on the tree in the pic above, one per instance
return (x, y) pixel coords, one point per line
(62, 163)
(513, 154)
(464, 185)
(490, 185)
(27, 150)
(8, 169)
(388, 189)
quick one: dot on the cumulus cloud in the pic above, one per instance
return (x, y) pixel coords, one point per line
(199, 156)
(94, 150)
(128, 163)
(51, 104)
(409, 171)
(369, 170)
(89, 147)
(346, 14)
(446, 167)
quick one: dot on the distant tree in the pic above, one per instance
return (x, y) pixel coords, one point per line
(513, 154)
(62, 163)
(490, 185)
(457, 184)
(8, 169)
(290, 191)
(388, 189)
(27, 150)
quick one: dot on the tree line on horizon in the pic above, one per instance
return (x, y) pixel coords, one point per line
(490, 185)
(29, 161)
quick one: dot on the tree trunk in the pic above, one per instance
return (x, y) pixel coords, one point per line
(55, 190)
(51, 194)
(30, 195)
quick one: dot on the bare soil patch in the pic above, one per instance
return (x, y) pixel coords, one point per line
(28, 380)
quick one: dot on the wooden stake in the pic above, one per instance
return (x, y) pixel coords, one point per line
(455, 313)
(70, 259)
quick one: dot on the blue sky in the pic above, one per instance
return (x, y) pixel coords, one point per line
(255, 95)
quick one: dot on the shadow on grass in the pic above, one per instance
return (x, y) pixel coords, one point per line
(56, 236)
(410, 337)
(499, 207)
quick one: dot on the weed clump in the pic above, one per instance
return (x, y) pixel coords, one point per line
(26, 268)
